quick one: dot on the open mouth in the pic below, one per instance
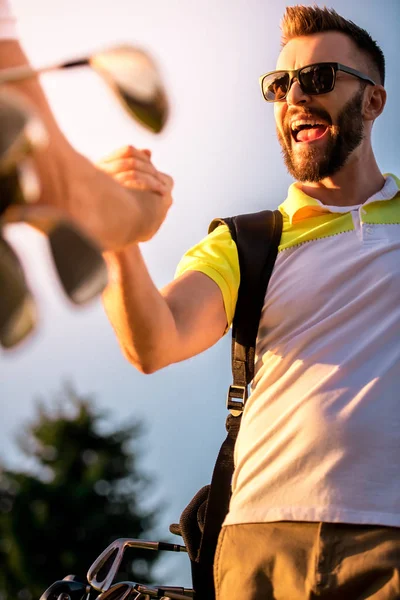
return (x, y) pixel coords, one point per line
(306, 130)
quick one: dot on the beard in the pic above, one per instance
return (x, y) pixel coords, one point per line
(311, 164)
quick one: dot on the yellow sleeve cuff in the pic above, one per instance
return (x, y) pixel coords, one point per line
(216, 256)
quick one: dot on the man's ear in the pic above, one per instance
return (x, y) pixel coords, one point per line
(374, 102)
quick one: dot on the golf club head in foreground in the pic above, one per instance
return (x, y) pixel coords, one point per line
(136, 81)
(17, 308)
(21, 132)
(130, 72)
(80, 266)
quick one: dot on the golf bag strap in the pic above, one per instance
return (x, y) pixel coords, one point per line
(257, 237)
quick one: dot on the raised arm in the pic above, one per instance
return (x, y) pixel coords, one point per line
(156, 328)
(113, 214)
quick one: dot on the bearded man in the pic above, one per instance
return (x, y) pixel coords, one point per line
(315, 507)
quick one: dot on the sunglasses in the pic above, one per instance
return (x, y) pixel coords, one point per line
(315, 79)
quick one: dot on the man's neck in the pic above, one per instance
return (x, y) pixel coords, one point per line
(357, 181)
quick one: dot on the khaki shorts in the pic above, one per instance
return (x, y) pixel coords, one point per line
(302, 561)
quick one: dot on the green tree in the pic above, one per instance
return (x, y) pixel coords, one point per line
(84, 492)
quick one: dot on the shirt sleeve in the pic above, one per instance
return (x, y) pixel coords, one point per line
(216, 256)
(8, 23)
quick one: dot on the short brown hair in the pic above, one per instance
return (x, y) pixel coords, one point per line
(305, 20)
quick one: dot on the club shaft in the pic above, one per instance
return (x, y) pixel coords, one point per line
(171, 547)
(26, 72)
(173, 593)
(146, 545)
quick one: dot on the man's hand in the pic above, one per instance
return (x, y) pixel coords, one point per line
(133, 169)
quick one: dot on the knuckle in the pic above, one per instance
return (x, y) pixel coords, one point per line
(169, 181)
(124, 150)
(129, 151)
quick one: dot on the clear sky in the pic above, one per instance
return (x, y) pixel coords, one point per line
(220, 147)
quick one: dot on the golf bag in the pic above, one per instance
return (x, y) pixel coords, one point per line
(257, 238)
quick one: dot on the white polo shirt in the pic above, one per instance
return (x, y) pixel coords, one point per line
(320, 434)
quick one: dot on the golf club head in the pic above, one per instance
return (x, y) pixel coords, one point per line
(21, 133)
(75, 590)
(17, 309)
(81, 268)
(120, 591)
(102, 572)
(134, 77)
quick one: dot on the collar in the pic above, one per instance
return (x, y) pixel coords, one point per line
(299, 206)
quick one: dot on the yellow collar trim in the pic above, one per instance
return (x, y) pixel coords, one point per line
(299, 206)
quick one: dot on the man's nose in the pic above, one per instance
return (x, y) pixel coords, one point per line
(296, 95)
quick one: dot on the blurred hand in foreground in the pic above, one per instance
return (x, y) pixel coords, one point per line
(114, 215)
(133, 169)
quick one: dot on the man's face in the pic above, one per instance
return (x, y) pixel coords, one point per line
(319, 148)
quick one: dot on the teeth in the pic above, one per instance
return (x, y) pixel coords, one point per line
(302, 122)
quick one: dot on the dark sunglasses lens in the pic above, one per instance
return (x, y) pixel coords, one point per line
(317, 79)
(275, 86)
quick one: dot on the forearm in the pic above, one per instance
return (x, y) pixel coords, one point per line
(158, 328)
(140, 315)
(51, 174)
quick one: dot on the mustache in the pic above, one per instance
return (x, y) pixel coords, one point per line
(314, 113)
